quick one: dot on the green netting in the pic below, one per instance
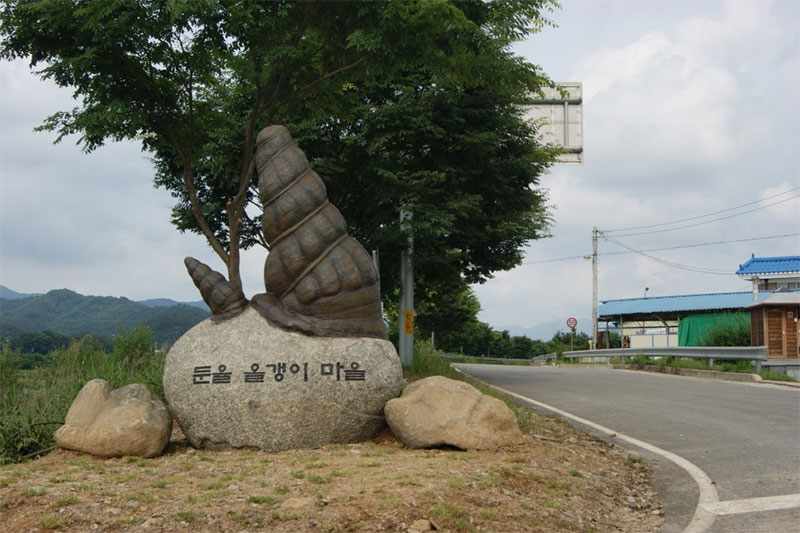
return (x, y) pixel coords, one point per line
(692, 327)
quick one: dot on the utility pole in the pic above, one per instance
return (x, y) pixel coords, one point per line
(406, 315)
(594, 287)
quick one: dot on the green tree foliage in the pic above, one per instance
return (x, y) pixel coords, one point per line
(195, 81)
(68, 313)
(41, 342)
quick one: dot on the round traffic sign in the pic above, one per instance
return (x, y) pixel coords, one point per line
(572, 322)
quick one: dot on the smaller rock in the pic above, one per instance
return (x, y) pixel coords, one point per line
(438, 411)
(128, 421)
(421, 525)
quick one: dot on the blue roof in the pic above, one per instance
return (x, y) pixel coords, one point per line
(788, 264)
(683, 303)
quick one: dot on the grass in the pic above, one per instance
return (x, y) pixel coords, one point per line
(452, 515)
(391, 501)
(455, 482)
(262, 499)
(187, 516)
(45, 393)
(776, 376)
(52, 522)
(69, 500)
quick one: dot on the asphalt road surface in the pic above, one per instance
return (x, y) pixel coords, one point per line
(744, 437)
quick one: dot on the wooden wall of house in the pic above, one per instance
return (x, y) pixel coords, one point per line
(757, 327)
(776, 327)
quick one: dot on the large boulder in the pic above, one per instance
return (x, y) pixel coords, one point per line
(130, 420)
(242, 382)
(438, 411)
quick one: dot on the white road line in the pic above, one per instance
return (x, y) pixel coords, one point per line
(753, 505)
(703, 518)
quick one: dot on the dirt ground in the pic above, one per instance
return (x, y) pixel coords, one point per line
(558, 480)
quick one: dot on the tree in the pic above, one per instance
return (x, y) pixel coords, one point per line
(195, 81)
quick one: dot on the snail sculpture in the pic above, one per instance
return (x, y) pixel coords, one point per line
(319, 280)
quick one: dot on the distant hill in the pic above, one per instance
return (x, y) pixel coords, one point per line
(545, 330)
(65, 311)
(8, 294)
(166, 302)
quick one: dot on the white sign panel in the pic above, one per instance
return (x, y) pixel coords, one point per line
(560, 118)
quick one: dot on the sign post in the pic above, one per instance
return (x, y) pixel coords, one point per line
(572, 323)
(406, 315)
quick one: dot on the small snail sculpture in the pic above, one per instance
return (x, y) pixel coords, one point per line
(319, 280)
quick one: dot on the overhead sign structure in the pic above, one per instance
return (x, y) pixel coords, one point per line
(559, 113)
(572, 322)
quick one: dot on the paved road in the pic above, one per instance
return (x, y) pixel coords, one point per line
(745, 437)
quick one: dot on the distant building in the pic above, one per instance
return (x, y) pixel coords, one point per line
(671, 320)
(771, 273)
(681, 320)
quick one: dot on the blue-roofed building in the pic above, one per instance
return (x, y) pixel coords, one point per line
(771, 273)
(656, 321)
(681, 319)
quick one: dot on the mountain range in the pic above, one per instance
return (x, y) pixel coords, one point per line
(546, 330)
(67, 312)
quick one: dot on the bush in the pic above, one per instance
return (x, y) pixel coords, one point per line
(730, 330)
(428, 362)
(35, 402)
(641, 360)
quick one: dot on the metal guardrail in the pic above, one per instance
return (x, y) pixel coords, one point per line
(541, 359)
(537, 359)
(743, 353)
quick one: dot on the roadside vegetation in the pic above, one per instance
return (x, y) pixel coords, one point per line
(34, 402)
(720, 365)
(559, 479)
(732, 329)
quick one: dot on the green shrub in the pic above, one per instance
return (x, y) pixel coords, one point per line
(428, 362)
(641, 360)
(776, 376)
(728, 330)
(42, 396)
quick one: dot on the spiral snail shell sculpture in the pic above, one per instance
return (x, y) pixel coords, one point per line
(319, 280)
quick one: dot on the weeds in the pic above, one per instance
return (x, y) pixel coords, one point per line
(262, 499)
(52, 522)
(187, 516)
(45, 393)
(776, 376)
(69, 500)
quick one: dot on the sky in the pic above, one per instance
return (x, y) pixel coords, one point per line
(690, 108)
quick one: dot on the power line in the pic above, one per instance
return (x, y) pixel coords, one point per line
(690, 268)
(708, 221)
(708, 243)
(706, 215)
(573, 257)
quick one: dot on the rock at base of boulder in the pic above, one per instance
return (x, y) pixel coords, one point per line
(243, 382)
(438, 411)
(130, 420)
